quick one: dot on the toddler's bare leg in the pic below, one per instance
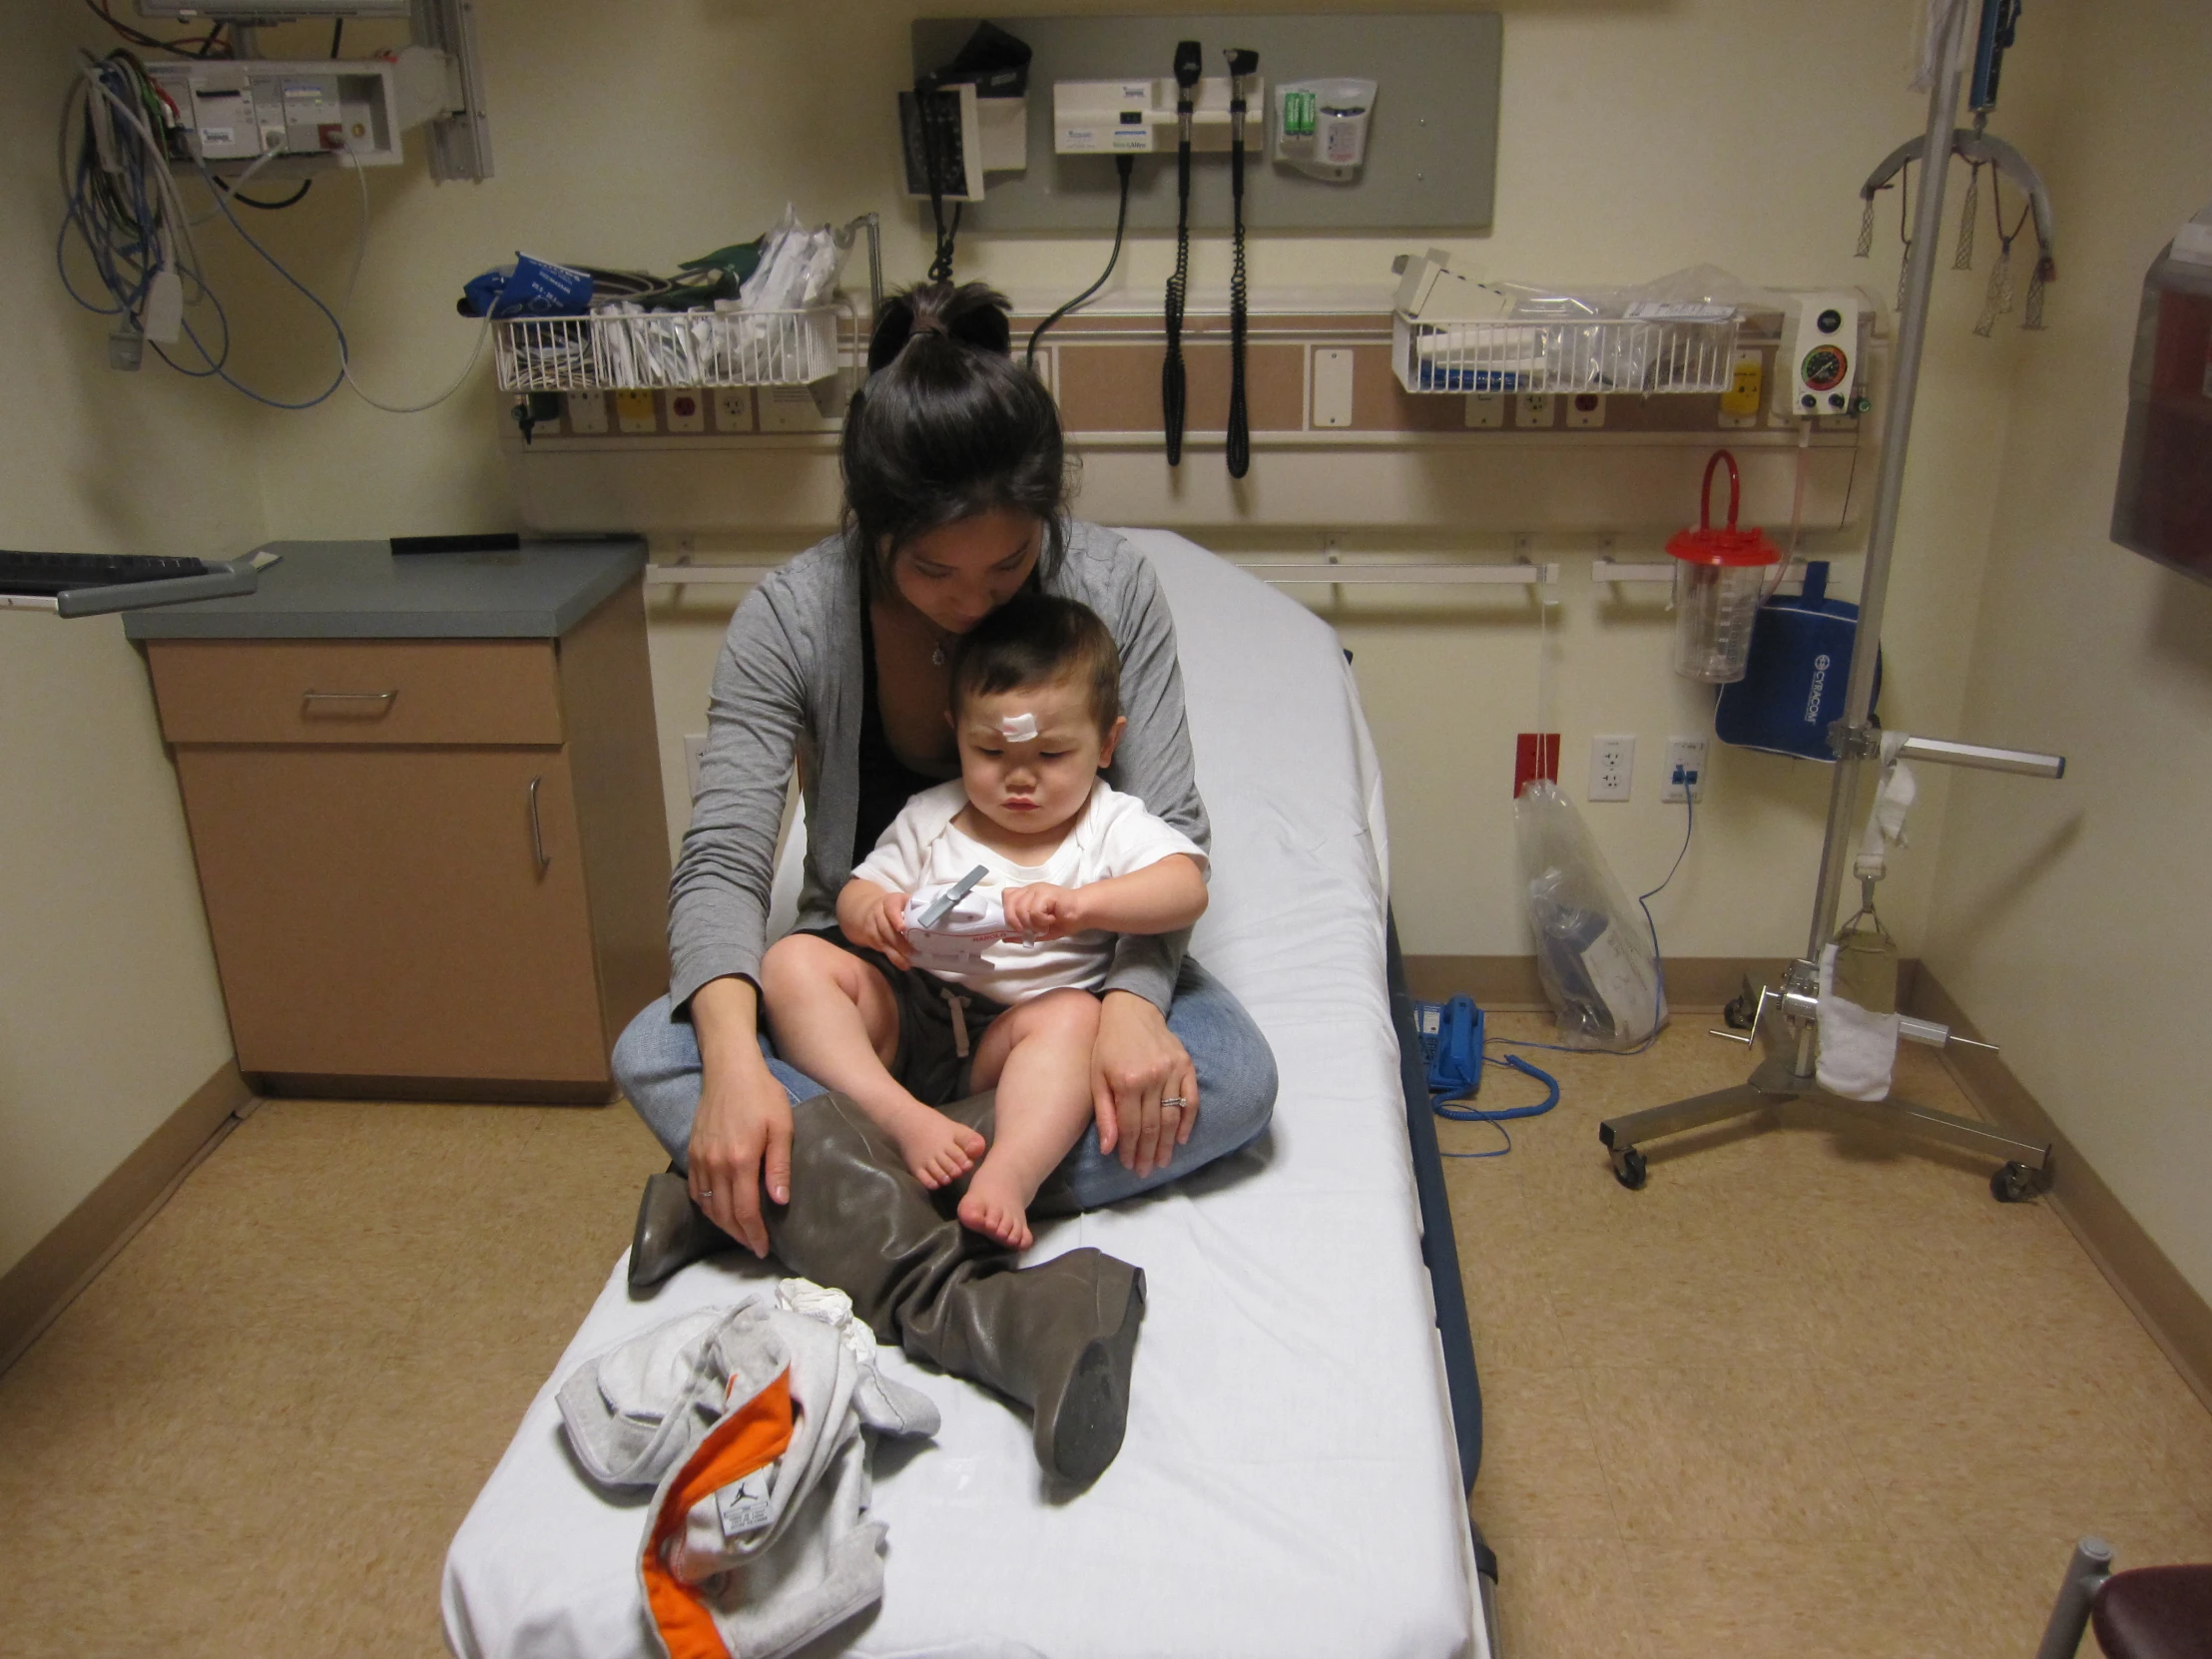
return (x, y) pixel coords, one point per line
(1039, 1056)
(833, 1016)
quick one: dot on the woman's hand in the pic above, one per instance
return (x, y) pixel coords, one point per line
(1137, 1067)
(1043, 911)
(875, 919)
(741, 1137)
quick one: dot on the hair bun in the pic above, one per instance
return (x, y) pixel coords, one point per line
(972, 314)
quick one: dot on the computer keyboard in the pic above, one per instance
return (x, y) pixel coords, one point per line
(53, 573)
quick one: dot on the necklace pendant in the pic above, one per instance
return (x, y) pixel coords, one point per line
(936, 656)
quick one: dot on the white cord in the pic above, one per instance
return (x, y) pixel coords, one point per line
(346, 309)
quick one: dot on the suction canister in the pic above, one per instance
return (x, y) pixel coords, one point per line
(1720, 576)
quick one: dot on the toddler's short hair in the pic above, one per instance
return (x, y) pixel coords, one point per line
(1032, 640)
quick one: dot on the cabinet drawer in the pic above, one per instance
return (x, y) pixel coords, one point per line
(356, 691)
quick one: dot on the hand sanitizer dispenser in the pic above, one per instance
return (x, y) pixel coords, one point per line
(2163, 505)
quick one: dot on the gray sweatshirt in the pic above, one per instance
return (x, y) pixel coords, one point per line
(787, 691)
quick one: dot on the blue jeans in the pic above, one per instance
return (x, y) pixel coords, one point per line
(656, 1062)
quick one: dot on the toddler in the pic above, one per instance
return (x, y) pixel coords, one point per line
(1003, 992)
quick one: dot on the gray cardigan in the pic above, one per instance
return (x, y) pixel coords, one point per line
(787, 690)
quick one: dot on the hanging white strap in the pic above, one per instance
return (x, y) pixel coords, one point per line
(1893, 799)
(959, 1023)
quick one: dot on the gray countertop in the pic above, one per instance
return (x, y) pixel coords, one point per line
(362, 590)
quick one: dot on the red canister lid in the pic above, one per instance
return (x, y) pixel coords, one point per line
(1704, 545)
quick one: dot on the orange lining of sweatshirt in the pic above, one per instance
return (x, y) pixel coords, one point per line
(754, 1435)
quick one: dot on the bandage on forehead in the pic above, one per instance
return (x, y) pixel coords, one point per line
(1021, 728)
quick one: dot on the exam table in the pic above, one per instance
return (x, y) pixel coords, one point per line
(1304, 1424)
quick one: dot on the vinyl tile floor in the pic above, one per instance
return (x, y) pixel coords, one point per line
(1807, 1394)
(1810, 1392)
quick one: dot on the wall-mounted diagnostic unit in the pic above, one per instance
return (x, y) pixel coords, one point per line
(244, 109)
(1139, 117)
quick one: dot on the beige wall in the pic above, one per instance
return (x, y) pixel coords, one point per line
(2071, 917)
(1635, 138)
(109, 1010)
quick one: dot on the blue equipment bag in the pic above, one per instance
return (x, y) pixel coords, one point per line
(1792, 685)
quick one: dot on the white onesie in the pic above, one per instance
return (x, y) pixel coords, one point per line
(922, 849)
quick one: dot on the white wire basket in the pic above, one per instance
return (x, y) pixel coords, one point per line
(667, 348)
(1602, 355)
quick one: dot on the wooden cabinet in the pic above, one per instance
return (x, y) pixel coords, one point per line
(432, 869)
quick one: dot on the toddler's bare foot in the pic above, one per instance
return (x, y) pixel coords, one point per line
(936, 1148)
(995, 1204)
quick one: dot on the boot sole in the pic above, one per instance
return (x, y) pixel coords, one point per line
(1079, 1435)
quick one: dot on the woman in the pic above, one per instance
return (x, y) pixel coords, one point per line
(957, 500)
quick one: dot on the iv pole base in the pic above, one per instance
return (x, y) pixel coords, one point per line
(2023, 1174)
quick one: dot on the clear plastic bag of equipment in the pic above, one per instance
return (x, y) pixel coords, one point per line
(799, 269)
(1594, 954)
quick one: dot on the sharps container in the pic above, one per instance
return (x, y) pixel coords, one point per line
(1720, 576)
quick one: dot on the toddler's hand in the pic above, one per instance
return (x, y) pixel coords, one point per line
(882, 926)
(1043, 911)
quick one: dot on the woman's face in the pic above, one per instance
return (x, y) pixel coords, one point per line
(960, 573)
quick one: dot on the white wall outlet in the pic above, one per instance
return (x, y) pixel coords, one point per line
(1332, 386)
(1535, 408)
(687, 411)
(1485, 410)
(694, 746)
(1612, 767)
(1587, 408)
(587, 414)
(732, 409)
(1684, 778)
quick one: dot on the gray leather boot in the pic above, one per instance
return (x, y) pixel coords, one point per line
(1058, 1339)
(672, 1232)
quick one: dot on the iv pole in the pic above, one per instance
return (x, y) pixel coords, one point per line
(1789, 1071)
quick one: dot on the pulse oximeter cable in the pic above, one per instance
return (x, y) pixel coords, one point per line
(1242, 62)
(1189, 60)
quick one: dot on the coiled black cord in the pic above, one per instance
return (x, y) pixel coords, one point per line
(1240, 420)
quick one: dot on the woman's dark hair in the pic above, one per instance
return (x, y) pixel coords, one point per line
(948, 425)
(1035, 639)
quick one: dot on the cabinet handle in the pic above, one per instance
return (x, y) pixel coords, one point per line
(537, 829)
(384, 697)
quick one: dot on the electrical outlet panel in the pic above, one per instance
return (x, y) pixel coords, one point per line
(242, 109)
(1742, 402)
(1485, 410)
(1587, 408)
(1612, 767)
(587, 413)
(634, 412)
(733, 408)
(1535, 408)
(1684, 778)
(1332, 380)
(687, 411)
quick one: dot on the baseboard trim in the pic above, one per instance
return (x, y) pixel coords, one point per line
(34, 1292)
(2178, 1318)
(1509, 983)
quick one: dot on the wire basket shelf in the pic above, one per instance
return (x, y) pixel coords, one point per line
(608, 351)
(1601, 354)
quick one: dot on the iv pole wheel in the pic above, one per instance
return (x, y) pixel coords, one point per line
(1628, 1168)
(2012, 1183)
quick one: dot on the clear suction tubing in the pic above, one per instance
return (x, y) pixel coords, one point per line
(1720, 578)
